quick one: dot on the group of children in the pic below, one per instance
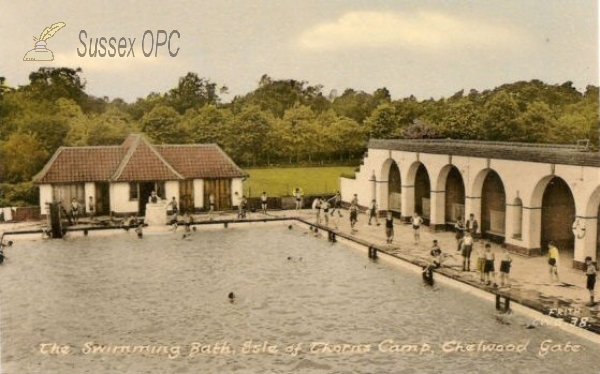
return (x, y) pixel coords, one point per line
(485, 262)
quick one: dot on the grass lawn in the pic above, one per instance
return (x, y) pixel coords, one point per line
(282, 181)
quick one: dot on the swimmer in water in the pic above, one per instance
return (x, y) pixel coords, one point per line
(231, 297)
(139, 232)
(428, 275)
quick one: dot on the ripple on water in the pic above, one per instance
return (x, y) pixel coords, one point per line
(164, 290)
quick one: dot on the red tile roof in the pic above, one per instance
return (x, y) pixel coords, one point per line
(138, 160)
(81, 164)
(143, 163)
(196, 161)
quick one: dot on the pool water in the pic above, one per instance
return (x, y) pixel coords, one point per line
(118, 304)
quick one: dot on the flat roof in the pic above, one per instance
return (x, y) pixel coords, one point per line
(543, 153)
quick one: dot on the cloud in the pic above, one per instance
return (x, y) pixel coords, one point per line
(425, 30)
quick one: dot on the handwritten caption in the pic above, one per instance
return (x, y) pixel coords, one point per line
(252, 347)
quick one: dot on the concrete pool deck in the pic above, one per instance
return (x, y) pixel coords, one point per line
(529, 276)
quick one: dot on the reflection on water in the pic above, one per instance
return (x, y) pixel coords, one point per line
(160, 305)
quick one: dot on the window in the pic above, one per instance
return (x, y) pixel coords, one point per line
(133, 191)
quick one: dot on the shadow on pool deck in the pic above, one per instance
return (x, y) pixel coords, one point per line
(529, 276)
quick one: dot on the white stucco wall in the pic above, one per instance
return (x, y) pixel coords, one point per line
(45, 197)
(521, 179)
(198, 193)
(90, 190)
(119, 199)
(236, 186)
(172, 189)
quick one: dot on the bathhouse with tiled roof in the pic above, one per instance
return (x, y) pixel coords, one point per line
(120, 179)
(522, 194)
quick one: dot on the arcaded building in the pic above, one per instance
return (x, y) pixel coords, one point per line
(524, 195)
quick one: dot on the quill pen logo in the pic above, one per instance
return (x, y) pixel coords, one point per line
(40, 52)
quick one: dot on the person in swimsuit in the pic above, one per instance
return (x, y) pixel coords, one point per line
(325, 207)
(553, 261)
(389, 227)
(139, 231)
(373, 212)
(317, 207)
(353, 215)
(336, 203)
(460, 228)
(466, 249)
(489, 265)
(74, 210)
(472, 226)
(263, 202)
(416, 222)
(298, 198)
(590, 272)
(505, 262)
(173, 205)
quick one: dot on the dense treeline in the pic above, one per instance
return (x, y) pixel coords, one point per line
(281, 121)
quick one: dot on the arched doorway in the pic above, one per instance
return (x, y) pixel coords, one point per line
(394, 188)
(422, 192)
(558, 214)
(493, 206)
(455, 196)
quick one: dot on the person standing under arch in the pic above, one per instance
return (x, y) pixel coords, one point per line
(553, 259)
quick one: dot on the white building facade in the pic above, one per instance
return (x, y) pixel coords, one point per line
(524, 195)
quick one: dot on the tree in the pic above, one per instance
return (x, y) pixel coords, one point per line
(297, 132)
(536, 123)
(53, 83)
(209, 124)
(110, 127)
(499, 118)
(23, 156)
(193, 92)
(382, 122)
(248, 130)
(163, 125)
(345, 136)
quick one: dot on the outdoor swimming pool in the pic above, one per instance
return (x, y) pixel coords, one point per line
(117, 304)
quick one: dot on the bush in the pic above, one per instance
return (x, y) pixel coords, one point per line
(19, 194)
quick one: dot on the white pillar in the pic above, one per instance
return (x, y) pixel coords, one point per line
(408, 201)
(437, 205)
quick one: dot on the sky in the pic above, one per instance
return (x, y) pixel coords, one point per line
(425, 48)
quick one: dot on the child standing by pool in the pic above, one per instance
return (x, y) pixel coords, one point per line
(590, 272)
(553, 261)
(325, 207)
(263, 202)
(489, 265)
(481, 262)
(353, 214)
(416, 222)
(505, 262)
(466, 248)
(389, 227)
(373, 212)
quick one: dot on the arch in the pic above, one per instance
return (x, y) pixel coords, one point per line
(557, 214)
(422, 191)
(593, 228)
(394, 187)
(493, 205)
(593, 205)
(380, 185)
(455, 194)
